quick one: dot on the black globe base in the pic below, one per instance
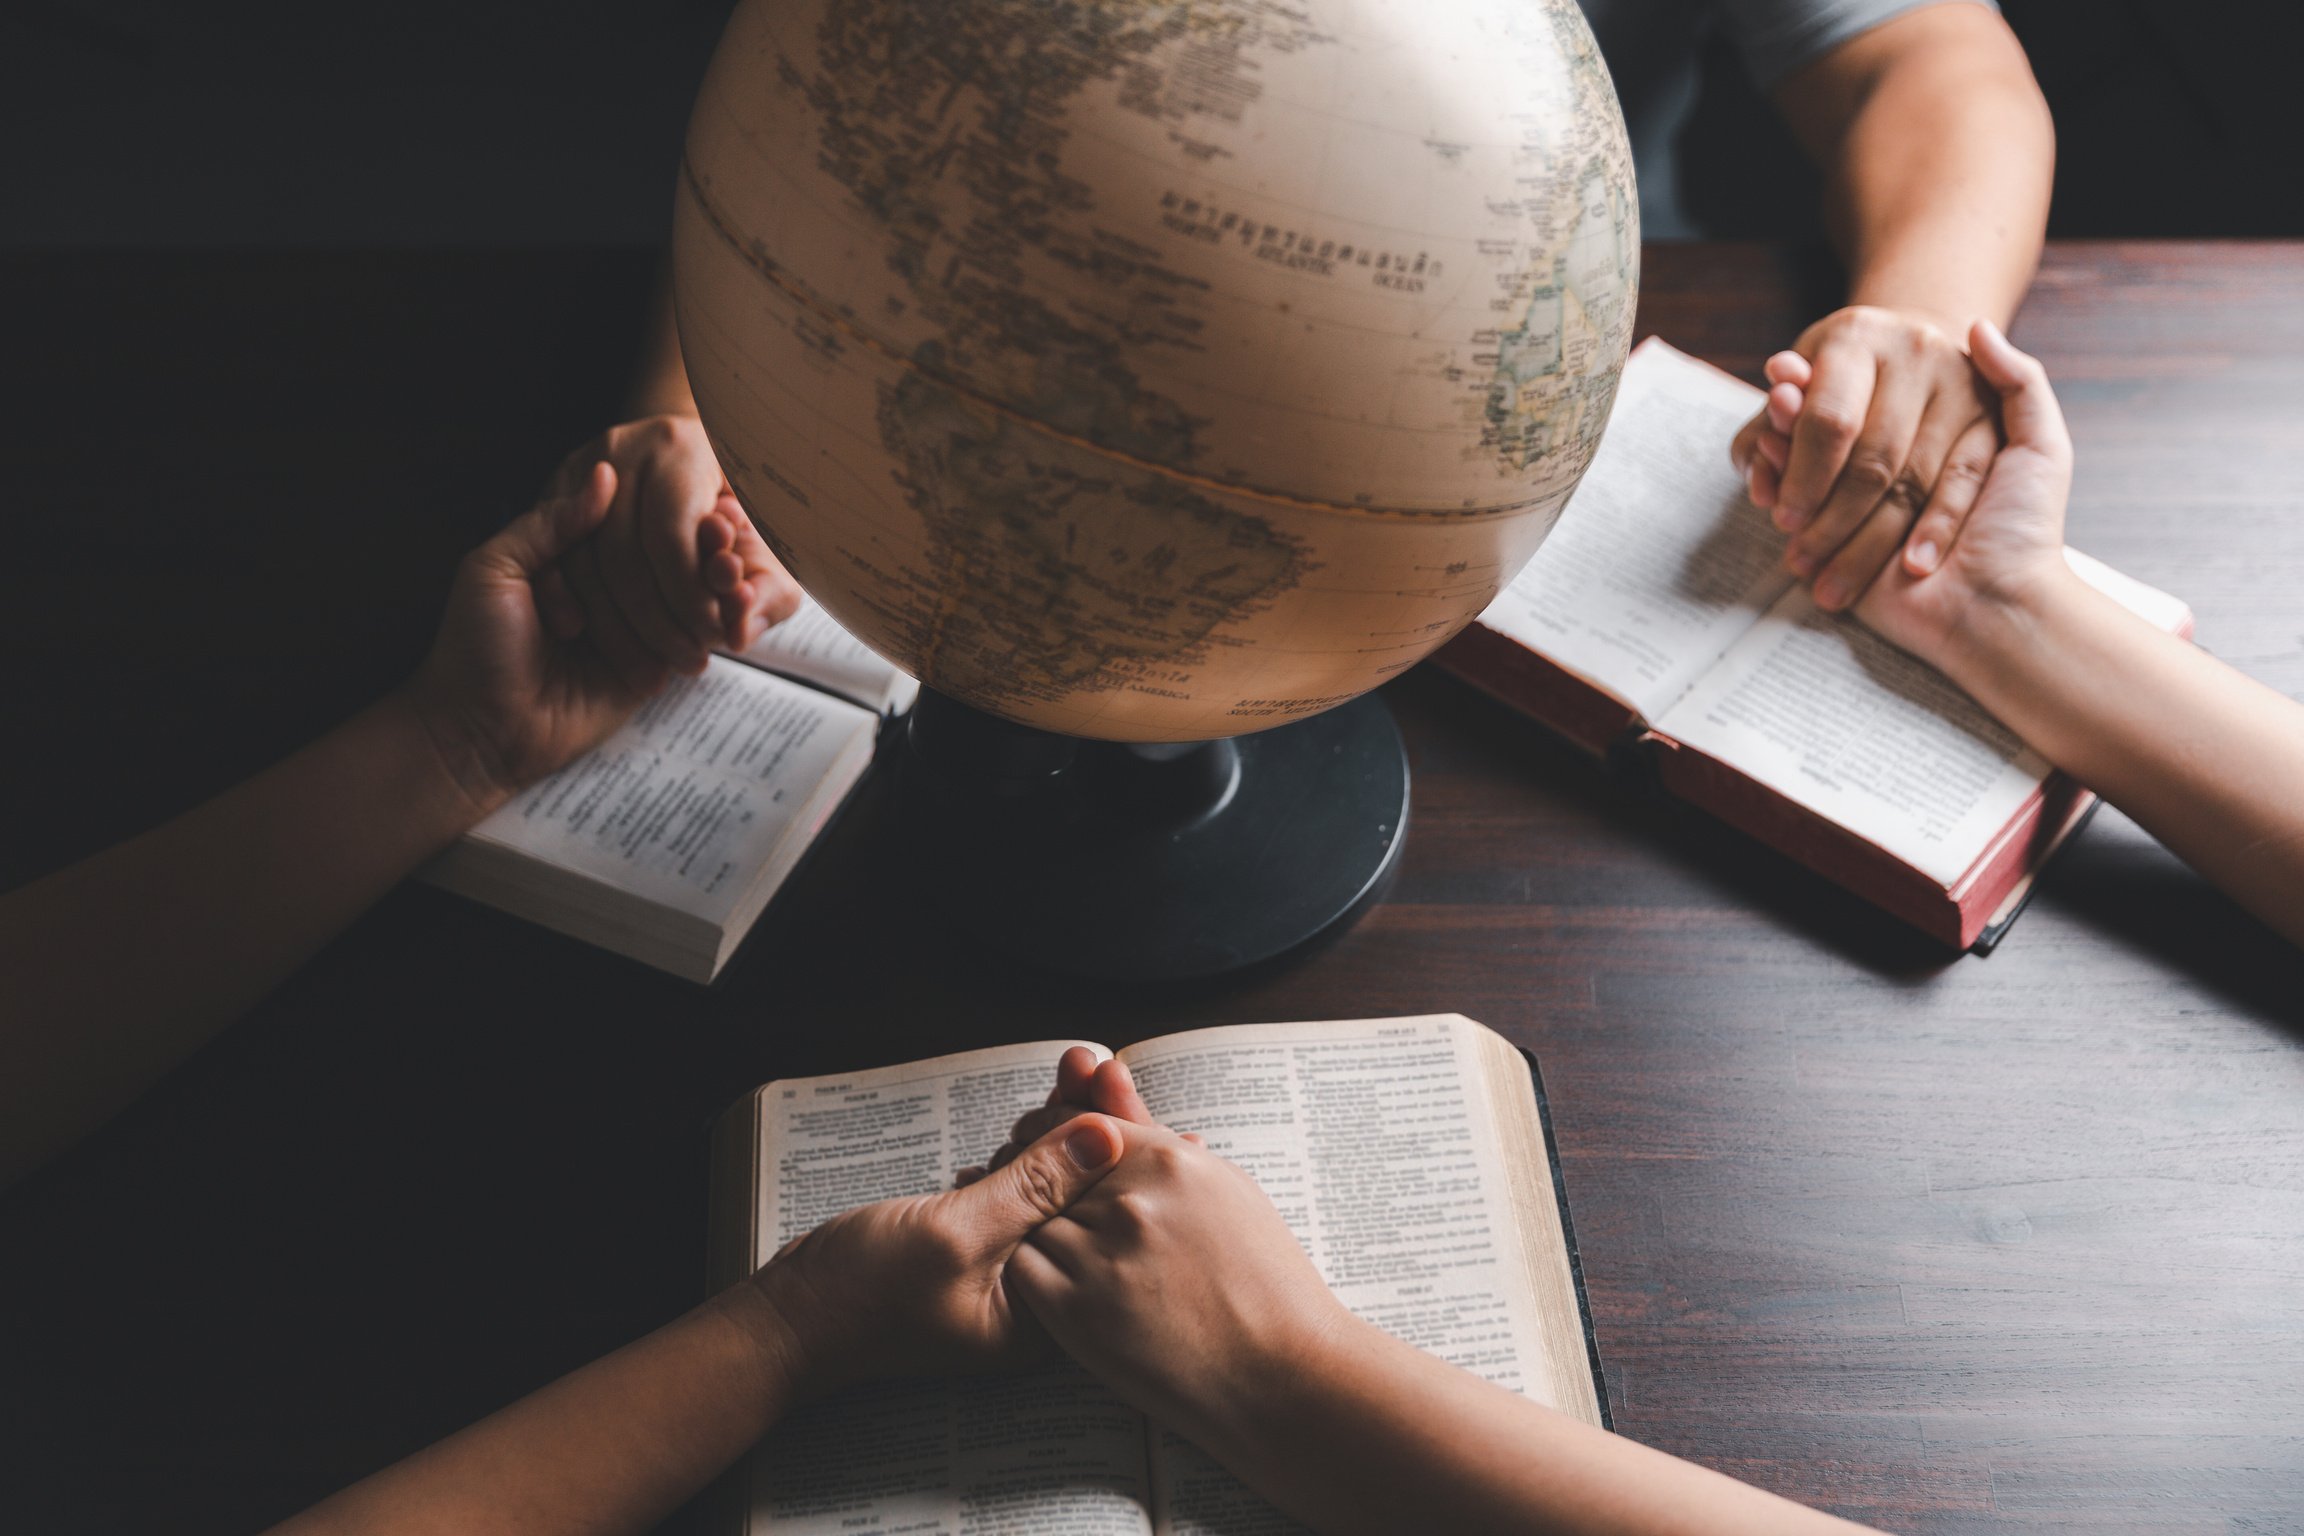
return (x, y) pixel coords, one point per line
(1153, 863)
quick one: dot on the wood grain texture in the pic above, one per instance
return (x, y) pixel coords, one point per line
(1951, 1246)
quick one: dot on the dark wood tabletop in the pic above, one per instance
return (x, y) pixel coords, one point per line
(1944, 1244)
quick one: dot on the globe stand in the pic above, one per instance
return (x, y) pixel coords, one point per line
(1153, 862)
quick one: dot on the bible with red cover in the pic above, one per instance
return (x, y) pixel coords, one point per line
(1657, 620)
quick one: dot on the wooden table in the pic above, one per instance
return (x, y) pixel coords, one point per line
(1948, 1245)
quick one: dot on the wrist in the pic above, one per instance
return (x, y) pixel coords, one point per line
(466, 767)
(2005, 622)
(775, 1338)
(1279, 1378)
(792, 1328)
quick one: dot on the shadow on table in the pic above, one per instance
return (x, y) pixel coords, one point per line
(2117, 880)
(1681, 855)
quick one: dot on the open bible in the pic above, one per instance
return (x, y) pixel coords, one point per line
(666, 842)
(1409, 1156)
(1657, 622)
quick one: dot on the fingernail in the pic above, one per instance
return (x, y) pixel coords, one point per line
(1090, 1146)
(1799, 564)
(1788, 520)
(1829, 594)
(1925, 556)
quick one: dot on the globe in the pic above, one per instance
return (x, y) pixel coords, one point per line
(1155, 372)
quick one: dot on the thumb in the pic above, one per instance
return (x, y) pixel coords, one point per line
(1005, 1206)
(2028, 409)
(547, 531)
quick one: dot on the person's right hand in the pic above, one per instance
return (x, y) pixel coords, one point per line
(915, 1286)
(1176, 1281)
(2010, 545)
(517, 683)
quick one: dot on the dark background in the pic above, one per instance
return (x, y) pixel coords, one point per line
(459, 122)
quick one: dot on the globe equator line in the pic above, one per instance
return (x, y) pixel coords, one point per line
(800, 295)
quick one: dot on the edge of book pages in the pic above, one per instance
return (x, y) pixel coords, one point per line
(1568, 1237)
(614, 917)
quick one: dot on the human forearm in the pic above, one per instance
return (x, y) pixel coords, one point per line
(2207, 759)
(609, 1449)
(1363, 1433)
(1937, 152)
(910, 1286)
(121, 966)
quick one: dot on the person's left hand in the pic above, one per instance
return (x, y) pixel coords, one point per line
(917, 1286)
(1893, 424)
(515, 686)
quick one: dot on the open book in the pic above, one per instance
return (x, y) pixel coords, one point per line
(1408, 1155)
(1658, 616)
(666, 841)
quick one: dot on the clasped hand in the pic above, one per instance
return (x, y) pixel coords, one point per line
(637, 563)
(1986, 546)
(1875, 434)
(1161, 1267)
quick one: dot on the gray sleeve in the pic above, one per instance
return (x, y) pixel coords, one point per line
(1776, 37)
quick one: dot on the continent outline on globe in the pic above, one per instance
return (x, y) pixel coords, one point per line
(963, 310)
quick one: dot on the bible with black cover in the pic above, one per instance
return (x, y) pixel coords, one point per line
(1411, 1156)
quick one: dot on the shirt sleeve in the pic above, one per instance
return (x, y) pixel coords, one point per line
(1776, 37)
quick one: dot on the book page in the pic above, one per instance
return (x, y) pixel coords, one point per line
(813, 647)
(1019, 1455)
(686, 803)
(1376, 1139)
(1659, 562)
(1825, 712)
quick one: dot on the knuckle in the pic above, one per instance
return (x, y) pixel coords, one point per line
(1874, 326)
(1907, 491)
(1962, 471)
(1834, 422)
(1871, 472)
(1168, 1158)
(1134, 1209)
(1040, 1185)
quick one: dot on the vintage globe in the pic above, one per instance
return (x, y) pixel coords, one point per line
(1155, 371)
